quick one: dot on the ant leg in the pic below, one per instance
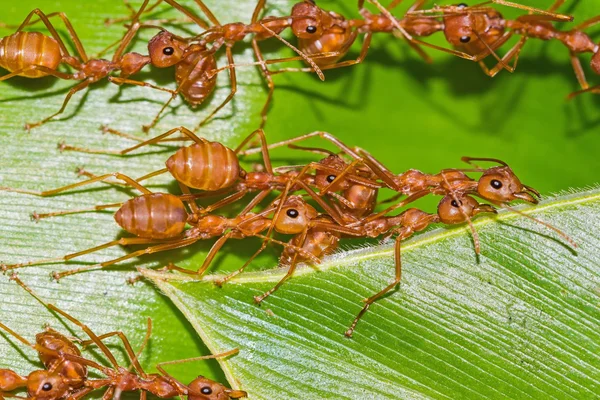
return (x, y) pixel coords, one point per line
(290, 271)
(201, 23)
(363, 53)
(36, 217)
(391, 286)
(260, 5)
(228, 277)
(263, 145)
(120, 81)
(131, 32)
(209, 257)
(587, 23)
(159, 366)
(84, 327)
(75, 89)
(149, 250)
(131, 182)
(111, 21)
(579, 73)
(118, 242)
(180, 129)
(593, 89)
(268, 78)
(42, 17)
(403, 33)
(233, 79)
(556, 16)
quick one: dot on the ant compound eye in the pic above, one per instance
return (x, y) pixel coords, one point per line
(46, 387)
(206, 390)
(331, 178)
(465, 39)
(292, 213)
(311, 29)
(496, 184)
(168, 51)
(462, 5)
(455, 203)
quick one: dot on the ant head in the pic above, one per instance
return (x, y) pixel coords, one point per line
(203, 388)
(501, 185)
(324, 178)
(596, 62)
(294, 216)
(459, 29)
(43, 385)
(306, 23)
(459, 208)
(166, 49)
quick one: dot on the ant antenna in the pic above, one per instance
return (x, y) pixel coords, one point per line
(469, 160)
(546, 224)
(306, 58)
(459, 203)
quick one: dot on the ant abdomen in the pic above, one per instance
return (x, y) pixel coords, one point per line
(23, 49)
(206, 166)
(153, 216)
(194, 78)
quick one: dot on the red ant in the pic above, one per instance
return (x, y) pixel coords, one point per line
(118, 379)
(190, 166)
(477, 32)
(33, 55)
(195, 63)
(161, 218)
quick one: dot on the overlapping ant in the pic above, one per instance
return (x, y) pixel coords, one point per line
(65, 375)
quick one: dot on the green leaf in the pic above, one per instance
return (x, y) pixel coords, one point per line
(520, 321)
(407, 113)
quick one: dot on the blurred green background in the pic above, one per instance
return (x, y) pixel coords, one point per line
(407, 113)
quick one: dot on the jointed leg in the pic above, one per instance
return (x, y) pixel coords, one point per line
(80, 86)
(289, 273)
(233, 79)
(173, 244)
(45, 19)
(118, 242)
(131, 182)
(391, 286)
(155, 140)
(36, 217)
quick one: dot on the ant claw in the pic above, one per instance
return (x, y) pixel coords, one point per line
(104, 128)
(219, 282)
(28, 127)
(35, 217)
(146, 128)
(61, 146)
(55, 275)
(348, 333)
(258, 299)
(80, 171)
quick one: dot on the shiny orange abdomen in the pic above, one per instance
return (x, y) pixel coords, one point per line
(332, 41)
(153, 216)
(23, 49)
(197, 87)
(205, 166)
